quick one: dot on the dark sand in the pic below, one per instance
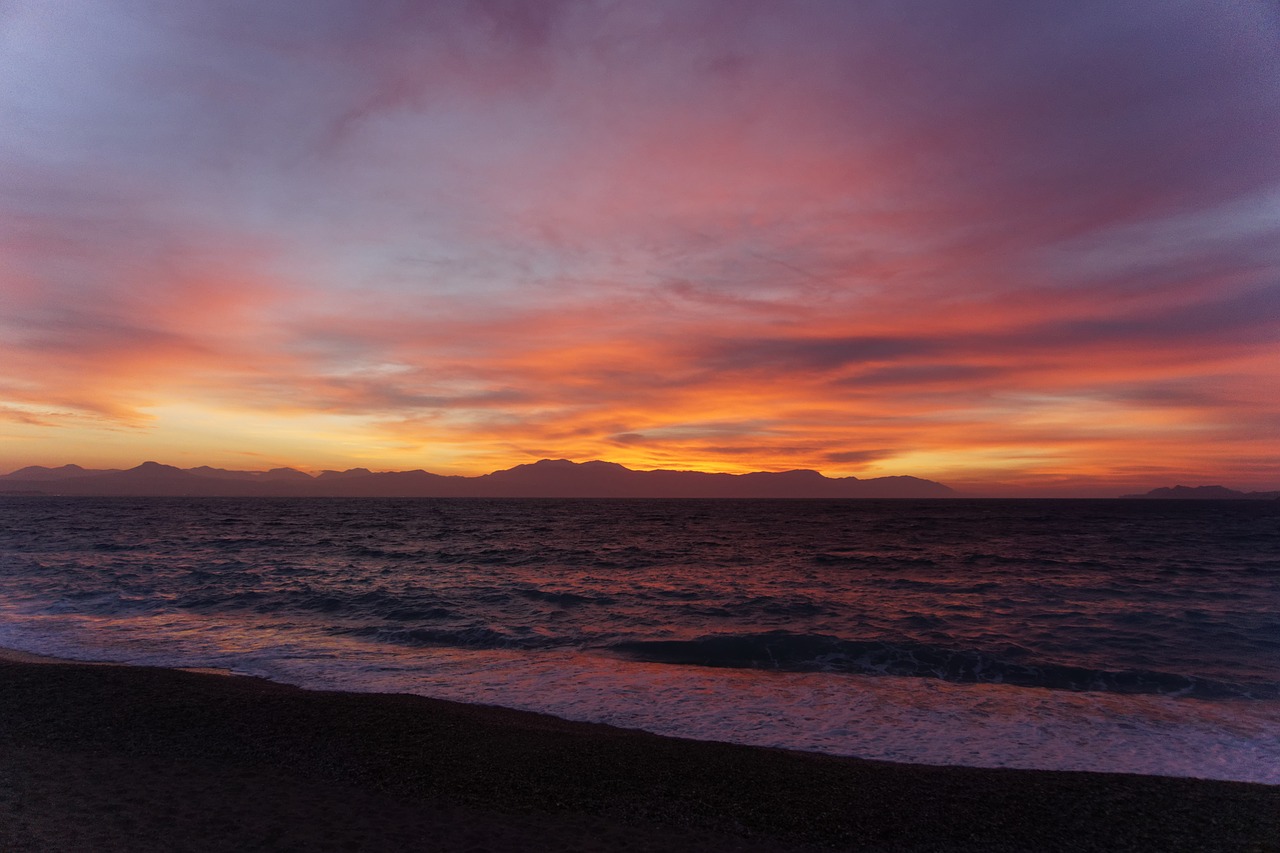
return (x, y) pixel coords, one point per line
(108, 758)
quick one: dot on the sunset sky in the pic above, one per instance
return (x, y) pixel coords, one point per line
(1020, 248)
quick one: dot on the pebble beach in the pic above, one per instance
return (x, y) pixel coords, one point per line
(121, 758)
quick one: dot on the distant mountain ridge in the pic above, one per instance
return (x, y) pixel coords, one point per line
(547, 478)
(1216, 493)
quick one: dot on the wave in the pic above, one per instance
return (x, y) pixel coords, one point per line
(476, 637)
(781, 650)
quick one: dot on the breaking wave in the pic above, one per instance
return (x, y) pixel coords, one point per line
(780, 650)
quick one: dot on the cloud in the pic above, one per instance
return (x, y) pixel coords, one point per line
(28, 418)
(857, 457)
(1006, 239)
(791, 354)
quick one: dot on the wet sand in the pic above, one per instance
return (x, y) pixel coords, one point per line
(114, 758)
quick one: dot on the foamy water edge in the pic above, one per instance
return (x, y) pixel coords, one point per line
(910, 720)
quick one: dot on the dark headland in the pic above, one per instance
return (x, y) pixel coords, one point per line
(113, 758)
(1204, 493)
(548, 478)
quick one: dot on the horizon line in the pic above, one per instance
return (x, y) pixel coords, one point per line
(994, 492)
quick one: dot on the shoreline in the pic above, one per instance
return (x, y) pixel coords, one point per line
(116, 757)
(8, 655)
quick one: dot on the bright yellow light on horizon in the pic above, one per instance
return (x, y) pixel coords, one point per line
(188, 435)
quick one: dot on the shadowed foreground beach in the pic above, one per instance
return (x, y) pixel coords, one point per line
(115, 758)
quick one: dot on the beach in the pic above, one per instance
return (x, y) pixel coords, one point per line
(104, 758)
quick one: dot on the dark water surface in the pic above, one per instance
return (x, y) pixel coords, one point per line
(1177, 600)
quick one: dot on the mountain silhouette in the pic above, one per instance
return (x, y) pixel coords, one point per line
(548, 478)
(256, 476)
(66, 472)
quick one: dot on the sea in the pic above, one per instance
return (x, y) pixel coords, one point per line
(1124, 636)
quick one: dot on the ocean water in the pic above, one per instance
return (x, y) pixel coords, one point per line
(1117, 636)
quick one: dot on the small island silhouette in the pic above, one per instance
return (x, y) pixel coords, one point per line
(1203, 493)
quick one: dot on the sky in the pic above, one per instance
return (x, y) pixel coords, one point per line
(1021, 248)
